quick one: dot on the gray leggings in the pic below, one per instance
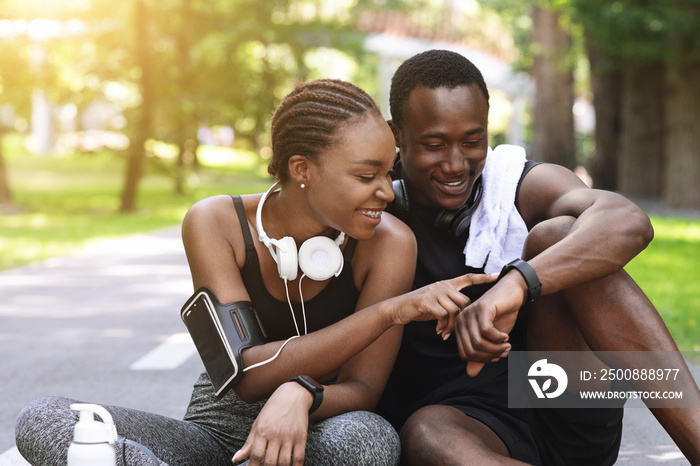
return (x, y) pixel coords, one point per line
(211, 432)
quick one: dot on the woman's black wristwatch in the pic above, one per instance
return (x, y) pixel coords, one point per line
(315, 388)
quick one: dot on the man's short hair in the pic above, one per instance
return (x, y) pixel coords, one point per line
(431, 69)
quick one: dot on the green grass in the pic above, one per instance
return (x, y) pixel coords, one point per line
(669, 272)
(65, 202)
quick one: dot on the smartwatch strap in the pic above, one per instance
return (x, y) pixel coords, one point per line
(315, 388)
(534, 287)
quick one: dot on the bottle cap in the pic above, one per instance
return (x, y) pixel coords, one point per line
(88, 430)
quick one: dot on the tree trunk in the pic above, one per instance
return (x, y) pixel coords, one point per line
(180, 164)
(640, 171)
(266, 103)
(606, 84)
(682, 142)
(5, 193)
(553, 138)
(182, 40)
(143, 127)
(187, 155)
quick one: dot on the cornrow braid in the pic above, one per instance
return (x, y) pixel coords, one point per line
(309, 119)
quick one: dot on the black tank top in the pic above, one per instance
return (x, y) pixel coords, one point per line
(335, 302)
(427, 370)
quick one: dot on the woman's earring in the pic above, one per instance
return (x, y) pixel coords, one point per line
(303, 186)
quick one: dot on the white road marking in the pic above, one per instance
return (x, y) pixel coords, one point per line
(668, 456)
(168, 355)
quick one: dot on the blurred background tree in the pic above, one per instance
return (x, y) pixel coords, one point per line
(641, 69)
(171, 75)
(116, 116)
(649, 52)
(170, 67)
(16, 86)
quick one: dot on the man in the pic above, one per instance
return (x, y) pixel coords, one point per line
(576, 241)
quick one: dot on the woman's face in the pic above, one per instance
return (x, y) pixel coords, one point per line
(349, 186)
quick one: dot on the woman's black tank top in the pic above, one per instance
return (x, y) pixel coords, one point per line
(335, 302)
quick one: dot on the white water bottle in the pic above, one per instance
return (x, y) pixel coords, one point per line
(93, 442)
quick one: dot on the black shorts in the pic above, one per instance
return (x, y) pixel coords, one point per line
(543, 436)
(550, 436)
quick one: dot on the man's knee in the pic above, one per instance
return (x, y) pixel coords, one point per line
(418, 438)
(545, 234)
(428, 431)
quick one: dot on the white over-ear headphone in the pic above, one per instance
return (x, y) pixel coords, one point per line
(319, 258)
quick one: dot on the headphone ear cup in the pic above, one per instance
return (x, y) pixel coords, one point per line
(287, 264)
(320, 258)
(449, 220)
(399, 206)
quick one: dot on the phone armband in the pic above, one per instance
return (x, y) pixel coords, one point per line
(220, 333)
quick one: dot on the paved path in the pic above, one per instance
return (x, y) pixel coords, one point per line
(103, 325)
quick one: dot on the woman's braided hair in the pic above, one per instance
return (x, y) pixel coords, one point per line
(308, 120)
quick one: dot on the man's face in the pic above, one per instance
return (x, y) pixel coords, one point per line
(443, 144)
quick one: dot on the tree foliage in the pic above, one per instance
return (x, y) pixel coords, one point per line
(229, 62)
(642, 30)
(17, 79)
(654, 47)
(644, 59)
(214, 62)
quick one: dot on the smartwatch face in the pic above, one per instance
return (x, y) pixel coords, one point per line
(311, 384)
(313, 387)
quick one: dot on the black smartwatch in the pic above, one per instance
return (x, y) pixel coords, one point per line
(534, 287)
(315, 388)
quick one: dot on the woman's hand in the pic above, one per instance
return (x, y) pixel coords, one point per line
(278, 435)
(482, 328)
(441, 300)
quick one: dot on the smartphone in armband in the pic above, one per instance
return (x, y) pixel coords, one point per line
(220, 333)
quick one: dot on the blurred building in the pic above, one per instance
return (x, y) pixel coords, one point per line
(394, 36)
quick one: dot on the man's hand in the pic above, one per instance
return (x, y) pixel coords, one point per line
(278, 435)
(482, 328)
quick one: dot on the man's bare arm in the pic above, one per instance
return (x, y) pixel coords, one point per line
(609, 230)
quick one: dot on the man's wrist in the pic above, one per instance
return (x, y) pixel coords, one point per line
(532, 282)
(517, 281)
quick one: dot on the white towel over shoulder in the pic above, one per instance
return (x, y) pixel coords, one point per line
(497, 231)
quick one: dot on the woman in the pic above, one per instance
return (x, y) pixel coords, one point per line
(332, 152)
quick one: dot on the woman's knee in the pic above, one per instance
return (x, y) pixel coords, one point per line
(545, 234)
(43, 412)
(355, 438)
(43, 430)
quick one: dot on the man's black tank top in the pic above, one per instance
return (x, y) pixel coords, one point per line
(428, 370)
(335, 302)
